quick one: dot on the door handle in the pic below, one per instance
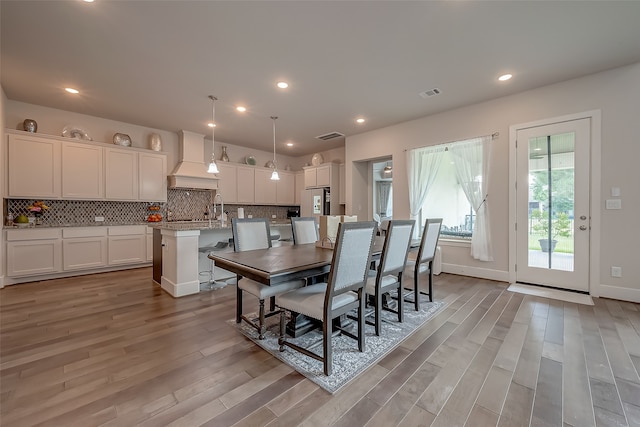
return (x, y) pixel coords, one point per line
(582, 217)
(583, 227)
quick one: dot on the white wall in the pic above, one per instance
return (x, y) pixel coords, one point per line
(615, 92)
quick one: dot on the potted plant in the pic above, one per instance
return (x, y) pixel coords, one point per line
(560, 226)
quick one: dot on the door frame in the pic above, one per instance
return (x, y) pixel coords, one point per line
(595, 177)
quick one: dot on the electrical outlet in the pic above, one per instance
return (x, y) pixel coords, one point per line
(99, 219)
(616, 271)
(273, 216)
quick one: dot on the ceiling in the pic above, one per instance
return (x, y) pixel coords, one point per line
(154, 63)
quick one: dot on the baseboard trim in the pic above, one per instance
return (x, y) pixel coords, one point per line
(6, 280)
(619, 293)
(483, 273)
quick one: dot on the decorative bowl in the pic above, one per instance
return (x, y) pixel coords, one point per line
(250, 160)
(122, 139)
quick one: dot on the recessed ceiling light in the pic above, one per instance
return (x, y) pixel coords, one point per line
(289, 144)
(283, 85)
(72, 90)
(505, 77)
(360, 120)
(88, 1)
(241, 108)
(212, 125)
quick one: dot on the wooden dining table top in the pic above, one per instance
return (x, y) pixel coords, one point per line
(283, 263)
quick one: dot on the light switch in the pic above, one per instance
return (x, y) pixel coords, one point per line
(615, 191)
(614, 204)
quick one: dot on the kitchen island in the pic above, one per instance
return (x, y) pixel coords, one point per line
(177, 251)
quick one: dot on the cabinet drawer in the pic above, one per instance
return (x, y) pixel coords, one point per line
(33, 234)
(127, 230)
(74, 232)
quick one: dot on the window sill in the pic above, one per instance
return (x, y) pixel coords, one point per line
(454, 242)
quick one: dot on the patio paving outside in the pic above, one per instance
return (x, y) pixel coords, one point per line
(559, 260)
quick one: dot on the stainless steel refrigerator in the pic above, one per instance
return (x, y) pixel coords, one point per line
(315, 202)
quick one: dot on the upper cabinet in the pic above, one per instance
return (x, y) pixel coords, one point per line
(285, 189)
(228, 182)
(49, 167)
(246, 184)
(299, 187)
(33, 165)
(152, 177)
(82, 171)
(243, 184)
(324, 175)
(265, 189)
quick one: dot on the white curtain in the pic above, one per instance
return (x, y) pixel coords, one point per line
(472, 170)
(422, 170)
(384, 191)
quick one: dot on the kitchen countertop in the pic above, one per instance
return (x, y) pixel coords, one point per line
(167, 225)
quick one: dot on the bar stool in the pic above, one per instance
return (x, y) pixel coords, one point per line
(211, 284)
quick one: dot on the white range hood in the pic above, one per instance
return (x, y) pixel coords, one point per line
(191, 171)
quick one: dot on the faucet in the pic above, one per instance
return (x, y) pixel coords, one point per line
(218, 195)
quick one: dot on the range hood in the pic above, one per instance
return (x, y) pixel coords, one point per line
(191, 171)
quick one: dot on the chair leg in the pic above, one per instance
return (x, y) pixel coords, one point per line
(416, 290)
(272, 304)
(400, 301)
(361, 312)
(378, 310)
(238, 304)
(282, 330)
(261, 327)
(326, 344)
(430, 282)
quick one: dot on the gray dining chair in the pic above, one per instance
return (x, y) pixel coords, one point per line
(250, 234)
(388, 276)
(342, 293)
(423, 262)
(305, 230)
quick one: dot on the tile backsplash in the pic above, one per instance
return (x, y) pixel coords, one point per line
(181, 205)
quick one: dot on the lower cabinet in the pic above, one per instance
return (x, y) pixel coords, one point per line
(84, 248)
(127, 244)
(33, 252)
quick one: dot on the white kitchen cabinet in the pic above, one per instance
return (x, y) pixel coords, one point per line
(246, 184)
(127, 244)
(82, 171)
(84, 248)
(152, 177)
(33, 252)
(310, 178)
(228, 183)
(33, 167)
(265, 188)
(121, 174)
(149, 248)
(285, 189)
(319, 176)
(299, 187)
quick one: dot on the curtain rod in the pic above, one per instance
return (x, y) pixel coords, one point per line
(493, 136)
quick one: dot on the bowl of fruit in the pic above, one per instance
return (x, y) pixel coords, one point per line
(154, 217)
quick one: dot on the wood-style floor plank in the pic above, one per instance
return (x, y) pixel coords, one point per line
(113, 350)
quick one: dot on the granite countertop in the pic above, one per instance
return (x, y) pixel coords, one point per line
(76, 224)
(168, 225)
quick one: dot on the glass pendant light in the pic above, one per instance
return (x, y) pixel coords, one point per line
(213, 167)
(274, 174)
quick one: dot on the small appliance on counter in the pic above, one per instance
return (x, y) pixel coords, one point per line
(294, 212)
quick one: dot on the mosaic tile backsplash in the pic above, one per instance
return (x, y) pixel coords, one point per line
(181, 205)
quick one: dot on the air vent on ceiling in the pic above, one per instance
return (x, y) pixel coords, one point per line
(330, 135)
(430, 92)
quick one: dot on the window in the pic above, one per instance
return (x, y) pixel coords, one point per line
(447, 200)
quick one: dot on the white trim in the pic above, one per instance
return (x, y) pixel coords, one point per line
(9, 281)
(620, 293)
(594, 192)
(483, 273)
(454, 242)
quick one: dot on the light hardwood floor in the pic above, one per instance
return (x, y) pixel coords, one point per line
(114, 350)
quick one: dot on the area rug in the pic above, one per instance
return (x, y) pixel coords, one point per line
(348, 362)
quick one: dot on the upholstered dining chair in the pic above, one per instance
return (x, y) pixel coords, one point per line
(388, 275)
(305, 230)
(250, 234)
(342, 293)
(423, 262)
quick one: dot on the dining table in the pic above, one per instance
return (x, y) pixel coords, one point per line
(283, 263)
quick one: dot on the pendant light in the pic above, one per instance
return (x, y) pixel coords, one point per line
(213, 167)
(387, 169)
(274, 174)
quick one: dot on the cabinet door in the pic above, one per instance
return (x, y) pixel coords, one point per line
(34, 167)
(152, 177)
(228, 183)
(265, 188)
(82, 175)
(33, 257)
(127, 249)
(285, 189)
(299, 187)
(246, 184)
(121, 174)
(310, 180)
(323, 176)
(84, 253)
(149, 248)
